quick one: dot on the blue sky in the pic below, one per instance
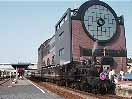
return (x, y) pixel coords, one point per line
(24, 25)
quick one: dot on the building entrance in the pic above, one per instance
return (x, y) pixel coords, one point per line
(20, 69)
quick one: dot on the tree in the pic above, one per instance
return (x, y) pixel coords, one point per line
(129, 60)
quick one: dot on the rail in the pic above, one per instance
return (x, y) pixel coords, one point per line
(4, 81)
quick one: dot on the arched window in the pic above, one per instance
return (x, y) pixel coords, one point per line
(48, 61)
(53, 59)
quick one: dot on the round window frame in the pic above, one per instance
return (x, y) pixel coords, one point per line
(88, 5)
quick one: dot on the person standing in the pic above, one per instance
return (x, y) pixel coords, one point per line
(111, 75)
(121, 73)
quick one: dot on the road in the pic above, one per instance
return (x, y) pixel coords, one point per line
(25, 89)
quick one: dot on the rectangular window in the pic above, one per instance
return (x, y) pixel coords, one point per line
(62, 22)
(61, 52)
(61, 35)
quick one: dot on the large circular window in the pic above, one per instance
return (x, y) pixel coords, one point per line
(100, 21)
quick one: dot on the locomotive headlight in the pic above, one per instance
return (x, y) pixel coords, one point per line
(99, 21)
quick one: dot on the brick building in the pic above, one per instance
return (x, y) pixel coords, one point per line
(92, 30)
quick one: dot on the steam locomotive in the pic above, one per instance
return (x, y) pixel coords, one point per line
(87, 41)
(85, 76)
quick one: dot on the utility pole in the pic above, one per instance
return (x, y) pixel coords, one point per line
(104, 51)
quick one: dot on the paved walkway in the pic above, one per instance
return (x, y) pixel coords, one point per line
(24, 89)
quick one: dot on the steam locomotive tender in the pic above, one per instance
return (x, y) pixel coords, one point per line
(87, 41)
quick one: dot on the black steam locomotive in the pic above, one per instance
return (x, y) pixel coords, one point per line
(85, 76)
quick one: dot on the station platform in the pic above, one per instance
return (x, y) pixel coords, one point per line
(124, 89)
(25, 89)
(125, 84)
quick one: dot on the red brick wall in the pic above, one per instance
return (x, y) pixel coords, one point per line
(80, 38)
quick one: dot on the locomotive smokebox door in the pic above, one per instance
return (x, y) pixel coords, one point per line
(107, 62)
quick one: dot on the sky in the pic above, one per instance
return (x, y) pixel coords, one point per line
(25, 24)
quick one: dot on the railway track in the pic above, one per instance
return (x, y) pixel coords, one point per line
(69, 93)
(2, 82)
